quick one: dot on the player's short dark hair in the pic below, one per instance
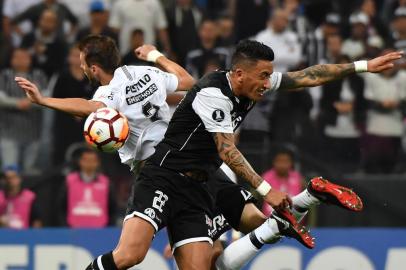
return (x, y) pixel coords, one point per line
(101, 51)
(250, 51)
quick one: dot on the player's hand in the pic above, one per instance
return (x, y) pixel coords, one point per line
(142, 51)
(278, 200)
(383, 62)
(31, 90)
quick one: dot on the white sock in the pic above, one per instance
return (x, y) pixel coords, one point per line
(267, 232)
(298, 215)
(304, 200)
(237, 254)
(240, 252)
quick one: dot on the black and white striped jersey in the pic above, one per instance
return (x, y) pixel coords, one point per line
(209, 107)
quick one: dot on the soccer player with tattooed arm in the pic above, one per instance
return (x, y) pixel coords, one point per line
(174, 186)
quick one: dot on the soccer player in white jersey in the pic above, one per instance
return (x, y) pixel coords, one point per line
(139, 92)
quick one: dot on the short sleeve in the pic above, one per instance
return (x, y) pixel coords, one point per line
(169, 80)
(108, 96)
(275, 80)
(214, 109)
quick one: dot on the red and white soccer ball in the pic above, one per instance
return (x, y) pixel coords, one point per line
(106, 129)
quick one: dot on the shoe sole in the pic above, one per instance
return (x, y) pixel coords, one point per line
(296, 230)
(335, 194)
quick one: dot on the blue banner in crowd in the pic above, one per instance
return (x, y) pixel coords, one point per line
(344, 249)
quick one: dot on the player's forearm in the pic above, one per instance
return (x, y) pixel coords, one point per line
(186, 81)
(316, 75)
(235, 160)
(75, 106)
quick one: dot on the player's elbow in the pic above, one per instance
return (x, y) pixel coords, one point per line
(186, 81)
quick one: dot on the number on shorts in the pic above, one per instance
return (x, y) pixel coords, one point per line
(159, 200)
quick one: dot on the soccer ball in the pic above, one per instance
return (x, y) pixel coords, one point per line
(106, 129)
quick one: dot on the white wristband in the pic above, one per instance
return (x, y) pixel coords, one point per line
(152, 56)
(264, 188)
(361, 66)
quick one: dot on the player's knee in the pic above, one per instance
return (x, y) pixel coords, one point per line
(126, 258)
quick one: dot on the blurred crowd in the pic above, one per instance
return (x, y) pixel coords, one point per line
(353, 125)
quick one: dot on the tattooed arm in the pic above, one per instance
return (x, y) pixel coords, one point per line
(235, 160)
(321, 74)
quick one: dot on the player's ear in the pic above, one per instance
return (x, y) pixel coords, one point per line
(239, 74)
(93, 69)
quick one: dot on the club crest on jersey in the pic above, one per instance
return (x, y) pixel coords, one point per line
(218, 115)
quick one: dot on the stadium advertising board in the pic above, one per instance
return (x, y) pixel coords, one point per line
(343, 249)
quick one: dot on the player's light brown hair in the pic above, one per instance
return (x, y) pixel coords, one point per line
(101, 51)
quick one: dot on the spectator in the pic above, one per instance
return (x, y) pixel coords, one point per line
(384, 125)
(147, 15)
(11, 9)
(183, 20)
(82, 8)
(196, 60)
(316, 47)
(399, 33)
(87, 199)
(98, 22)
(341, 117)
(47, 48)
(250, 17)
(18, 206)
(282, 176)
(137, 39)
(283, 41)
(290, 118)
(298, 22)
(226, 30)
(389, 8)
(333, 54)
(355, 45)
(18, 114)
(376, 26)
(72, 83)
(35, 12)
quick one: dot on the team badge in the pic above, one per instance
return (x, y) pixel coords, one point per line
(218, 115)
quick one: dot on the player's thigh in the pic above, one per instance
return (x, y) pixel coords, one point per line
(194, 256)
(218, 248)
(135, 240)
(234, 202)
(251, 218)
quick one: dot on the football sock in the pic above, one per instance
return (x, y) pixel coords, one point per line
(103, 262)
(267, 232)
(304, 200)
(238, 253)
(299, 213)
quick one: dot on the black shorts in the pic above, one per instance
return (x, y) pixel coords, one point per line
(193, 211)
(166, 198)
(230, 198)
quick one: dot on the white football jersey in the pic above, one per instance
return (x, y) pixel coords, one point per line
(138, 92)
